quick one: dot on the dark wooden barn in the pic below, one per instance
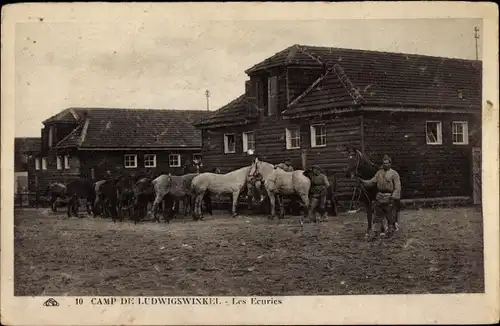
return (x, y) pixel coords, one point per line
(308, 103)
(91, 141)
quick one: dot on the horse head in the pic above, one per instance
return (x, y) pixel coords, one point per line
(358, 165)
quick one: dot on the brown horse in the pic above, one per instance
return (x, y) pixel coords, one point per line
(76, 189)
(57, 190)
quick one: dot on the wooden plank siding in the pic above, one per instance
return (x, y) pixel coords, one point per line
(270, 145)
(52, 174)
(101, 161)
(426, 170)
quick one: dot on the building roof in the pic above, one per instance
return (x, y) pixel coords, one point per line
(393, 79)
(135, 128)
(69, 115)
(354, 78)
(27, 144)
(240, 111)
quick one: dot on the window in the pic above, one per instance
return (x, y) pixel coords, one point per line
(66, 161)
(130, 161)
(272, 95)
(37, 163)
(248, 141)
(318, 135)
(44, 163)
(59, 162)
(92, 174)
(460, 133)
(51, 136)
(433, 133)
(174, 160)
(292, 138)
(229, 143)
(150, 160)
(197, 157)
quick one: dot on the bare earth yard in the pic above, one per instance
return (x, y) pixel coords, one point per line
(435, 251)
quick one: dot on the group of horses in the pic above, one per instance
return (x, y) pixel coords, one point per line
(122, 196)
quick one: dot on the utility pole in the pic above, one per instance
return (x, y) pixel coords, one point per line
(207, 94)
(476, 36)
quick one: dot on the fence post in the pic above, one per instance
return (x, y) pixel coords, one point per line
(37, 198)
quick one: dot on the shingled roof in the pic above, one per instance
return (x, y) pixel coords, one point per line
(375, 78)
(106, 128)
(240, 111)
(27, 144)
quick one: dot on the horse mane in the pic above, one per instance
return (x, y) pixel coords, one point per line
(367, 160)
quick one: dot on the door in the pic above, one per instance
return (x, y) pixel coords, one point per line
(476, 175)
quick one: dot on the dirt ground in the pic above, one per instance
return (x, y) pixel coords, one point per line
(435, 251)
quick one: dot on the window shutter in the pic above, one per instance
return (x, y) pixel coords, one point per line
(245, 142)
(313, 136)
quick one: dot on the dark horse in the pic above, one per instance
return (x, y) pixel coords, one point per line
(359, 165)
(76, 189)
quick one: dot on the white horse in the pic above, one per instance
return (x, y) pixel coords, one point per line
(280, 182)
(229, 183)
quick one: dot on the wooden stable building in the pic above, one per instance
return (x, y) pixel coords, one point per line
(91, 141)
(308, 103)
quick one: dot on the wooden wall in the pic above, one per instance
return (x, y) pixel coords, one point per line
(426, 170)
(101, 161)
(271, 145)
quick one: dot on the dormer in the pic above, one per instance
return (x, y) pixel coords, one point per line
(59, 126)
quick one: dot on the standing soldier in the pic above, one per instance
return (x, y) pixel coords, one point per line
(388, 195)
(318, 192)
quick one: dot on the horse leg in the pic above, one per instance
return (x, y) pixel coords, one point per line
(69, 208)
(236, 194)
(272, 202)
(208, 202)
(197, 207)
(282, 208)
(305, 202)
(158, 200)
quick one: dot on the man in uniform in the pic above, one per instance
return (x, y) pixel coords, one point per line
(318, 192)
(285, 166)
(388, 195)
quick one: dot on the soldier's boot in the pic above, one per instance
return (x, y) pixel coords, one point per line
(376, 232)
(312, 209)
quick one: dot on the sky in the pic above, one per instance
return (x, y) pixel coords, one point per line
(169, 64)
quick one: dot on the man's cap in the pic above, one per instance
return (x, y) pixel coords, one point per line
(387, 158)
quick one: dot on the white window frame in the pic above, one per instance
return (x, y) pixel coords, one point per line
(313, 134)
(465, 125)
(59, 162)
(288, 137)
(147, 159)
(244, 137)
(44, 163)
(178, 160)
(125, 161)
(37, 163)
(439, 131)
(66, 162)
(226, 144)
